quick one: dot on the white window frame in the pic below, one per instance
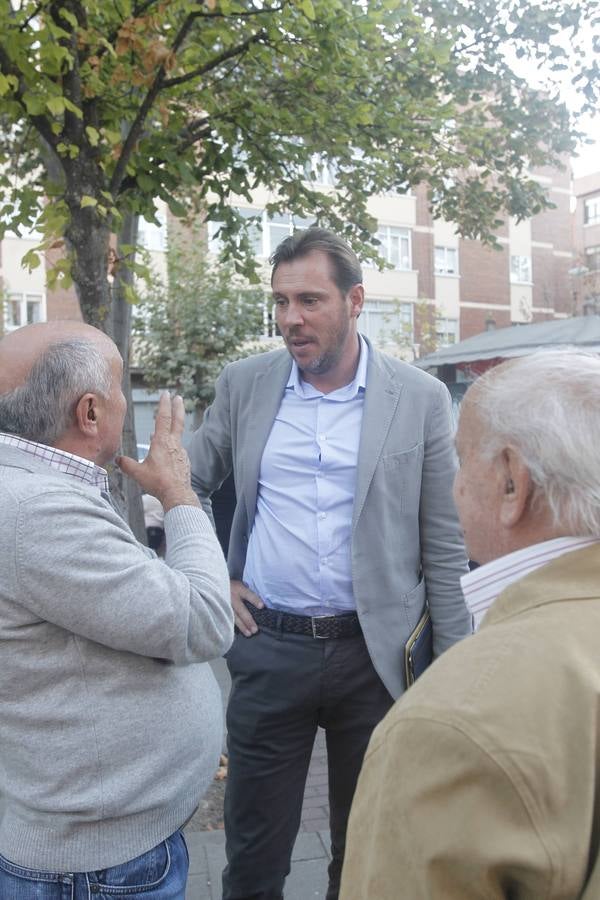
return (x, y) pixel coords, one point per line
(592, 258)
(394, 318)
(446, 331)
(319, 170)
(214, 241)
(520, 269)
(288, 224)
(22, 298)
(386, 235)
(442, 260)
(152, 236)
(591, 210)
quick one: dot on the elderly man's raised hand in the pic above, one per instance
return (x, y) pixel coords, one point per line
(165, 473)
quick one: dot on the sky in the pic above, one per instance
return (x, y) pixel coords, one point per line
(589, 159)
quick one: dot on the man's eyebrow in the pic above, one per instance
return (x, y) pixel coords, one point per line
(302, 294)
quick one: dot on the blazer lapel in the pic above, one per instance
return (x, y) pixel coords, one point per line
(265, 400)
(381, 399)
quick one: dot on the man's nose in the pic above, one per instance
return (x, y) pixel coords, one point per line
(293, 315)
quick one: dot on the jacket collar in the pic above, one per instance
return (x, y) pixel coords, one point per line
(573, 576)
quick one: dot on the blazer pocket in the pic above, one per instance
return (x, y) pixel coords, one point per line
(414, 603)
(402, 459)
(400, 477)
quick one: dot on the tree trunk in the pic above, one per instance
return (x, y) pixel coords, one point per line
(88, 239)
(125, 490)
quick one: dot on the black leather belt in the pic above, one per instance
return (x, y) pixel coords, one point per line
(342, 626)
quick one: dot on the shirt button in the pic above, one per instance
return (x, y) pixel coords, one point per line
(322, 437)
(325, 561)
(322, 515)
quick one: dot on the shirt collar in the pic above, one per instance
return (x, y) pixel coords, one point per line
(348, 392)
(83, 469)
(483, 586)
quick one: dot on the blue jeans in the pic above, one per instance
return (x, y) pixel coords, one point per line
(159, 874)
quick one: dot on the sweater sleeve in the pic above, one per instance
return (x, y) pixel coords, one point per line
(435, 817)
(79, 566)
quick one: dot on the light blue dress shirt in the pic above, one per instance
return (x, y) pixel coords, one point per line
(299, 554)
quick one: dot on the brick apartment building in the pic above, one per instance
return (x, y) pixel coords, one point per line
(459, 287)
(585, 273)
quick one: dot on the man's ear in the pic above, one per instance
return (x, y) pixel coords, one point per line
(86, 415)
(357, 298)
(516, 487)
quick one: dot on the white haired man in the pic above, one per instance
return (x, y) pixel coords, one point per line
(484, 780)
(108, 734)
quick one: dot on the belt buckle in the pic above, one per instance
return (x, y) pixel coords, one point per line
(313, 622)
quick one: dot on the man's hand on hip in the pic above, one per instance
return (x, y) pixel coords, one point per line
(165, 473)
(243, 619)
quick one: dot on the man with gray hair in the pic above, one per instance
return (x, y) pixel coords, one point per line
(110, 720)
(484, 781)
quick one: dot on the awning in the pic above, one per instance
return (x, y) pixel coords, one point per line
(519, 340)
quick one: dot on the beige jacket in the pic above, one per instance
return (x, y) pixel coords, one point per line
(483, 781)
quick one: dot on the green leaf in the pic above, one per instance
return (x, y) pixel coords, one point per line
(86, 201)
(146, 182)
(35, 105)
(72, 108)
(93, 135)
(308, 9)
(31, 260)
(56, 105)
(68, 16)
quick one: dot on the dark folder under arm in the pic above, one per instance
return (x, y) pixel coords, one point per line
(418, 650)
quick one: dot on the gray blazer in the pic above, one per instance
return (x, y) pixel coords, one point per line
(407, 545)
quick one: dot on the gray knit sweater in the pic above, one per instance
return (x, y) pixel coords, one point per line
(110, 717)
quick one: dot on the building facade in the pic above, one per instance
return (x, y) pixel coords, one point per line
(437, 289)
(585, 273)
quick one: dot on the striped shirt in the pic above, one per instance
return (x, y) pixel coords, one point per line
(482, 586)
(84, 469)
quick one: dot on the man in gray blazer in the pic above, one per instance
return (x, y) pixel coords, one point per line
(344, 529)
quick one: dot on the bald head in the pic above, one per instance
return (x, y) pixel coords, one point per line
(21, 349)
(60, 385)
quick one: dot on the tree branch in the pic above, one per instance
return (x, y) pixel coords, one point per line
(33, 15)
(217, 61)
(145, 107)
(40, 123)
(243, 15)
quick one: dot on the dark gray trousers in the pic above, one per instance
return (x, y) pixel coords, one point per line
(283, 687)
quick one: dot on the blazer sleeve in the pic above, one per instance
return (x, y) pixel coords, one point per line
(210, 449)
(443, 556)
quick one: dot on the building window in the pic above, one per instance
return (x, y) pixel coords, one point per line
(385, 321)
(254, 232)
(591, 211)
(592, 259)
(264, 234)
(520, 269)
(23, 309)
(151, 235)
(446, 331)
(395, 246)
(321, 171)
(280, 226)
(446, 261)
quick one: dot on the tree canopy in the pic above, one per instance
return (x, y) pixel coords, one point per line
(189, 327)
(107, 106)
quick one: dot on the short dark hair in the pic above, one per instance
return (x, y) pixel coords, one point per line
(346, 267)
